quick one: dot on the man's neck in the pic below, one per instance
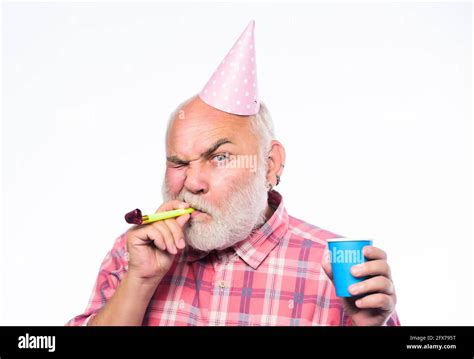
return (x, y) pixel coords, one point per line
(269, 212)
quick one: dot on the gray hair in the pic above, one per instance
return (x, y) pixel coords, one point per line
(261, 125)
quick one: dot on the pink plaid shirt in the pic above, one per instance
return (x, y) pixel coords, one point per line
(274, 277)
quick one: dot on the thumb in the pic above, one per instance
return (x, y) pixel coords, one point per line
(326, 264)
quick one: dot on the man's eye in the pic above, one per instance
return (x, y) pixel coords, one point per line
(219, 158)
(175, 165)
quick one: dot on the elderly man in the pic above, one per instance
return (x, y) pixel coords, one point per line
(239, 258)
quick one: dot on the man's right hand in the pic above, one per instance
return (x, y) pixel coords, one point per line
(152, 247)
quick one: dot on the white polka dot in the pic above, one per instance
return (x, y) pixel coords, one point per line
(226, 98)
(213, 82)
(222, 73)
(253, 72)
(244, 68)
(251, 59)
(253, 85)
(248, 106)
(224, 85)
(246, 93)
(236, 89)
(245, 81)
(233, 77)
(214, 93)
(251, 47)
(237, 102)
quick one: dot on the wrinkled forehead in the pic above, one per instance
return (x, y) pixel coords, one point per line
(197, 125)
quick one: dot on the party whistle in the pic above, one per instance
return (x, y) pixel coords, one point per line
(135, 216)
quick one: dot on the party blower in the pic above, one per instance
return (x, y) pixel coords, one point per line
(135, 216)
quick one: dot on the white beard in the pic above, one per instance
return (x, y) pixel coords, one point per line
(240, 214)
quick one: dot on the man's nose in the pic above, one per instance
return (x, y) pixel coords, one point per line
(196, 180)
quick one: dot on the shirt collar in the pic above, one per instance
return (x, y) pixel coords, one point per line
(255, 248)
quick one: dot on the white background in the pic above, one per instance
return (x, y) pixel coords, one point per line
(373, 104)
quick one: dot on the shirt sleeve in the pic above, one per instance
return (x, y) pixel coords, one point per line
(112, 270)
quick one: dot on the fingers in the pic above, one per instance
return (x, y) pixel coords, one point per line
(376, 301)
(170, 205)
(147, 234)
(157, 238)
(371, 268)
(377, 284)
(182, 219)
(167, 236)
(173, 225)
(371, 253)
(176, 231)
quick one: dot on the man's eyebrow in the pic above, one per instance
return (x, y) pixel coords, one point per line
(215, 146)
(175, 159)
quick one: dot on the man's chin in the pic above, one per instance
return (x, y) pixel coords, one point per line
(200, 236)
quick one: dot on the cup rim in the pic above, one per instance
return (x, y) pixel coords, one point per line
(343, 239)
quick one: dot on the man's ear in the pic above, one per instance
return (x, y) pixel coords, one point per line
(276, 162)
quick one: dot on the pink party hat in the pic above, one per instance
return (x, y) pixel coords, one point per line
(233, 86)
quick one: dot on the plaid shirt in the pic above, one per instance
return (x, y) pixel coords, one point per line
(274, 277)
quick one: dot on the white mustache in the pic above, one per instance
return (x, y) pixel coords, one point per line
(196, 202)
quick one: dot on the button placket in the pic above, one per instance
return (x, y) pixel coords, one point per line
(221, 271)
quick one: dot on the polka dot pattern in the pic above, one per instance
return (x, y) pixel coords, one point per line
(233, 85)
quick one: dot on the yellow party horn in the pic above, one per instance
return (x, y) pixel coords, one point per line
(135, 216)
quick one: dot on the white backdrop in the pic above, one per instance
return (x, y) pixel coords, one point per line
(373, 104)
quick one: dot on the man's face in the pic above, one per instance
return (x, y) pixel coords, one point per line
(214, 164)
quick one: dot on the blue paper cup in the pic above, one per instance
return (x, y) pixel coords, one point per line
(345, 253)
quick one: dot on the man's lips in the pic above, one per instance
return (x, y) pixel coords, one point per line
(197, 213)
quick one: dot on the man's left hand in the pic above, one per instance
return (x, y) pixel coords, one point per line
(376, 297)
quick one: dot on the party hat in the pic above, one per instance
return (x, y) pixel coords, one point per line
(233, 85)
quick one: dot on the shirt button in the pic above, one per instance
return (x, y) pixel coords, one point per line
(222, 284)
